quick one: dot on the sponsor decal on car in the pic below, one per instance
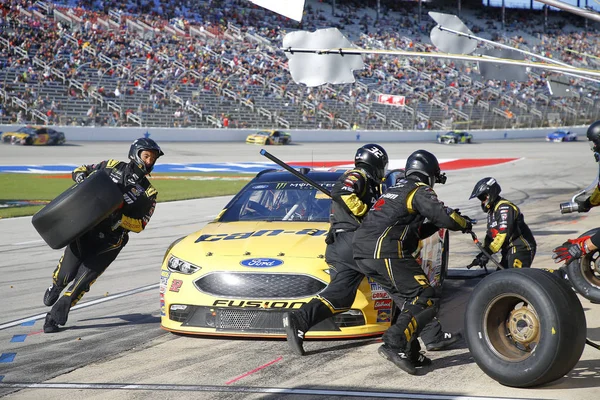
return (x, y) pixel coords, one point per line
(384, 315)
(383, 304)
(162, 305)
(265, 232)
(380, 295)
(261, 262)
(175, 285)
(258, 304)
(164, 279)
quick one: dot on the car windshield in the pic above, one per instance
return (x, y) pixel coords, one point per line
(279, 201)
(263, 133)
(27, 129)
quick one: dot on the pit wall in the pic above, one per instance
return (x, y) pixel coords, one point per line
(128, 134)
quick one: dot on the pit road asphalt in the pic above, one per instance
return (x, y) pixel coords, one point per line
(113, 346)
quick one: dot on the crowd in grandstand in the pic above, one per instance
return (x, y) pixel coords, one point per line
(127, 62)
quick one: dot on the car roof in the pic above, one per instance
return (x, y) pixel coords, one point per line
(285, 176)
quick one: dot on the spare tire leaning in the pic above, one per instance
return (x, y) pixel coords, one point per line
(77, 210)
(524, 327)
(584, 274)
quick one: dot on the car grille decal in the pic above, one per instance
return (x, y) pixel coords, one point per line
(259, 286)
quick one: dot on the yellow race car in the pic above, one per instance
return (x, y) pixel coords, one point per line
(262, 255)
(269, 137)
(33, 135)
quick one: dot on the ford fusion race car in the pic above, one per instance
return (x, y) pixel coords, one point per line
(455, 137)
(33, 135)
(265, 254)
(561, 136)
(269, 137)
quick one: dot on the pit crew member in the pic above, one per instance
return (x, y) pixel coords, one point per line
(507, 231)
(384, 247)
(86, 258)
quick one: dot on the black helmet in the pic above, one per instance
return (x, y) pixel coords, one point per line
(373, 158)
(593, 135)
(140, 145)
(425, 167)
(487, 191)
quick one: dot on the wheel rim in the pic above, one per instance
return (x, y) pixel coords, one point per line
(512, 327)
(590, 269)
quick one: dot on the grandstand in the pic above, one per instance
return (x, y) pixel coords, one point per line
(207, 64)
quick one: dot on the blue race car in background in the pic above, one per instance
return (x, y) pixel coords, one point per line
(561, 136)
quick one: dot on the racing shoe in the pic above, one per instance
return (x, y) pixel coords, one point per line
(421, 360)
(295, 336)
(52, 294)
(399, 359)
(50, 326)
(447, 340)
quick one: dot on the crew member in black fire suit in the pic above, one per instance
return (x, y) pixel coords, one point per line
(574, 249)
(384, 245)
(86, 258)
(507, 231)
(352, 196)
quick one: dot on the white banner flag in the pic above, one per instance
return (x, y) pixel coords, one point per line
(290, 8)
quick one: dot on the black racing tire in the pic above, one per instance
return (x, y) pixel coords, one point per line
(584, 274)
(524, 327)
(468, 140)
(77, 210)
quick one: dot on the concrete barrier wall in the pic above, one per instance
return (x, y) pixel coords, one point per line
(75, 134)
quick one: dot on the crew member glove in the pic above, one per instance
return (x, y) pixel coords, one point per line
(460, 220)
(583, 205)
(570, 250)
(79, 177)
(469, 225)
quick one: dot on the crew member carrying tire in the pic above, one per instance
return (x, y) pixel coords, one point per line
(507, 231)
(87, 257)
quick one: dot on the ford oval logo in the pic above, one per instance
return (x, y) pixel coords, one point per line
(261, 262)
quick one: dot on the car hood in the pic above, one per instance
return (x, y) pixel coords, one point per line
(255, 239)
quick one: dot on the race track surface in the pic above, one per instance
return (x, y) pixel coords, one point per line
(113, 346)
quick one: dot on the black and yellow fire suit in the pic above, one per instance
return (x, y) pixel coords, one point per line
(352, 196)
(85, 259)
(508, 234)
(384, 245)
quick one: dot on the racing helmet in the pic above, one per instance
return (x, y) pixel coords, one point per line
(425, 167)
(487, 190)
(593, 135)
(137, 147)
(373, 159)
